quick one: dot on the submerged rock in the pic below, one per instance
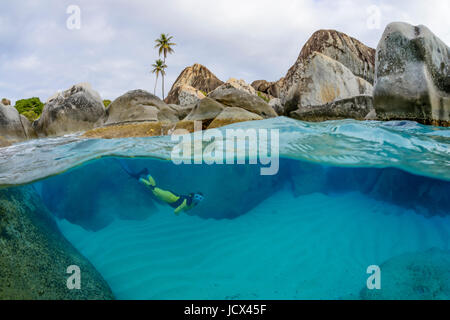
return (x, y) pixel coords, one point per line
(233, 97)
(412, 75)
(357, 108)
(318, 80)
(414, 276)
(34, 255)
(77, 109)
(197, 77)
(425, 195)
(305, 178)
(95, 203)
(139, 106)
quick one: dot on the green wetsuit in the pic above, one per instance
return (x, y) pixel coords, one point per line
(178, 202)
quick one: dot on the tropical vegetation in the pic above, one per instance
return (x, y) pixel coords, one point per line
(164, 45)
(31, 108)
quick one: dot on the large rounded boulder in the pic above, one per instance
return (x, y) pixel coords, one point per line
(75, 110)
(319, 80)
(196, 76)
(414, 276)
(412, 78)
(233, 97)
(352, 53)
(271, 89)
(139, 106)
(233, 115)
(206, 109)
(187, 95)
(13, 126)
(34, 255)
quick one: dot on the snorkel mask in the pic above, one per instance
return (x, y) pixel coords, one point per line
(198, 197)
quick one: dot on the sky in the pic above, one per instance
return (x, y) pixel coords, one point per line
(45, 48)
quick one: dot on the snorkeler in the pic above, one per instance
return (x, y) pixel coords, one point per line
(178, 202)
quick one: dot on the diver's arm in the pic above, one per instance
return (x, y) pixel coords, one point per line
(181, 207)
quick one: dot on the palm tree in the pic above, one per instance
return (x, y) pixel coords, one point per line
(159, 67)
(164, 45)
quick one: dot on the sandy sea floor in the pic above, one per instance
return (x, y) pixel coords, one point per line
(311, 247)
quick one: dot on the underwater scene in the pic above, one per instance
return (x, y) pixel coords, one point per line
(348, 197)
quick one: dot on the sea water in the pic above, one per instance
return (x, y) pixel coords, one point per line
(348, 195)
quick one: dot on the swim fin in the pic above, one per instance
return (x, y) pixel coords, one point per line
(131, 173)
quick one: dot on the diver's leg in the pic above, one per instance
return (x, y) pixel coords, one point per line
(150, 182)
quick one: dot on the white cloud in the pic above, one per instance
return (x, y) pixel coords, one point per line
(24, 63)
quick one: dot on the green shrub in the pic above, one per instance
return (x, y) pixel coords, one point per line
(30, 108)
(106, 103)
(30, 115)
(263, 96)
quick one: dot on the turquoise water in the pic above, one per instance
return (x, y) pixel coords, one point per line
(348, 195)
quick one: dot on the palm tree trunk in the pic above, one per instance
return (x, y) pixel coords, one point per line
(163, 87)
(163, 75)
(156, 83)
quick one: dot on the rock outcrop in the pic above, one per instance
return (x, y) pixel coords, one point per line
(357, 107)
(77, 109)
(6, 102)
(318, 80)
(135, 130)
(13, 126)
(261, 85)
(139, 106)
(414, 276)
(232, 97)
(28, 129)
(357, 57)
(34, 255)
(4, 142)
(233, 83)
(276, 105)
(188, 95)
(206, 109)
(412, 75)
(426, 196)
(196, 76)
(272, 89)
(233, 115)
(182, 111)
